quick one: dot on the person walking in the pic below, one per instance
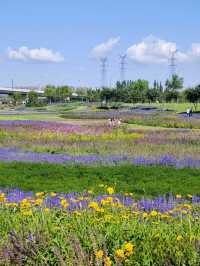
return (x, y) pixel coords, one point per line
(188, 112)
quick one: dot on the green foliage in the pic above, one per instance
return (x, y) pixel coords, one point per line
(174, 84)
(57, 94)
(33, 99)
(106, 94)
(60, 237)
(138, 90)
(141, 180)
(17, 97)
(172, 87)
(193, 95)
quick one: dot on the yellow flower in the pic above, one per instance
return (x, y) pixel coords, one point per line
(154, 213)
(93, 205)
(39, 194)
(128, 247)
(27, 213)
(81, 198)
(77, 213)
(99, 209)
(108, 261)
(178, 196)
(125, 216)
(108, 217)
(46, 210)
(189, 196)
(179, 238)
(75, 200)
(184, 212)
(145, 215)
(165, 216)
(25, 203)
(110, 190)
(2, 197)
(99, 254)
(119, 253)
(38, 202)
(119, 205)
(64, 203)
(187, 206)
(11, 204)
(155, 223)
(53, 194)
(104, 201)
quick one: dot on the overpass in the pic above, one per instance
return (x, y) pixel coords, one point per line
(24, 91)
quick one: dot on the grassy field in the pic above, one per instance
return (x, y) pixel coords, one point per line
(177, 107)
(39, 116)
(141, 180)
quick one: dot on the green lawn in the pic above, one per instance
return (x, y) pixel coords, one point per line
(177, 107)
(39, 116)
(141, 180)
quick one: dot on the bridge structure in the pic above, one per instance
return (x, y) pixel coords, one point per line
(24, 91)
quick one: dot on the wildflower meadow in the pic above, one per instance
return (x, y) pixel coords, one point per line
(98, 229)
(82, 192)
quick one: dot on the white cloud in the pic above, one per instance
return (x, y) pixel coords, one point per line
(37, 54)
(195, 50)
(151, 50)
(103, 49)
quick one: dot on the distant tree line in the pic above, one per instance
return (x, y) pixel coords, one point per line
(57, 94)
(138, 91)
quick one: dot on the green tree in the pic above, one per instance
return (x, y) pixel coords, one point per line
(17, 97)
(63, 92)
(121, 91)
(155, 93)
(175, 83)
(106, 94)
(138, 90)
(192, 95)
(33, 99)
(172, 87)
(50, 93)
(93, 95)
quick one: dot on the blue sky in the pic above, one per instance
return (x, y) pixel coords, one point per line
(75, 34)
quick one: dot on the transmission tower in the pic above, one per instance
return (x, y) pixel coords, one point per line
(173, 64)
(122, 66)
(103, 62)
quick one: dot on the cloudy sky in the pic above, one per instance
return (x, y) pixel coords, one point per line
(62, 42)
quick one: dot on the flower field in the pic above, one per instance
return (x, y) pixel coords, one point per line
(64, 143)
(98, 229)
(84, 193)
(148, 116)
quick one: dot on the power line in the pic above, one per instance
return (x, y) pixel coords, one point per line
(173, 64)
(122, 66)
(103, 62)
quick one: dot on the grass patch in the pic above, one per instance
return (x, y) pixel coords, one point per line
(39, 116)
(145, 181)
